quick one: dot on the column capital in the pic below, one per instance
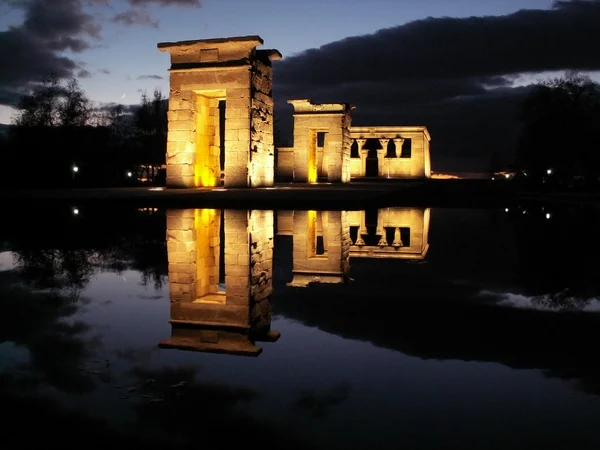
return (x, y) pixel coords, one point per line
(361, 142)
(398, 141)
(384, 141)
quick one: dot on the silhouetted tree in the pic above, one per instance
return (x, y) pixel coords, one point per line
(561, 130)
(151, 136)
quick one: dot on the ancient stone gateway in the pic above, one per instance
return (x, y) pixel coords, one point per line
(220, 113)
(321, 141)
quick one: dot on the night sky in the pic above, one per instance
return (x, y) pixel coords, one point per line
(460, 67)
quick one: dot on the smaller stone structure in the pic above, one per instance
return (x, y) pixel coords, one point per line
(327, 148)
(214, 311)
(321, 143)
(402, 152)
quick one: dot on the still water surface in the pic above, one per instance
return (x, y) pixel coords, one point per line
(396, 328)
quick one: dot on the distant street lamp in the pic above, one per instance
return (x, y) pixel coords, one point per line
(549, 171)
(75, 169)
(129, 174)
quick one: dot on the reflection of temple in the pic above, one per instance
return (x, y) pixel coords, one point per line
(220, 278)
(324, 241)
(401, 233)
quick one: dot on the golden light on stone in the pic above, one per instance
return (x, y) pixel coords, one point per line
(232, 70)
(203, 73)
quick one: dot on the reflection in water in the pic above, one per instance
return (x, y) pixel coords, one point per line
(66, 321)
(206, 246)
(324, 241)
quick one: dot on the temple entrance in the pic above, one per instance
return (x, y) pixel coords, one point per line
(209, 164)
(312, 174)
(372, 169)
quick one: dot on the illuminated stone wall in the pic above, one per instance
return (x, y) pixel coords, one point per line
(321, 245)
(393, 164)
(400, 233)
(204, 316)
(331, 160)
(203, 73)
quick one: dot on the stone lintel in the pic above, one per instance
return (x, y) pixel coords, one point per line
(204, 67)
(272, 54)
(249, 41)
(388, 132)
(305, 106)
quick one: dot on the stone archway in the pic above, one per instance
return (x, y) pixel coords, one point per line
(203, 75)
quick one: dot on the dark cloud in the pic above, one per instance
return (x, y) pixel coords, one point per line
(104, 71)
(83, 73)
(149, 77)
(453, 75)
(34, 47)
(135, 17)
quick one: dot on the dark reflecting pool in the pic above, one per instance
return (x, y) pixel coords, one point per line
(390, 328)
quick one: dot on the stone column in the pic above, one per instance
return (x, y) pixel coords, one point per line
(381, 156)
(397, 239)
(363, 155)
(398, 143)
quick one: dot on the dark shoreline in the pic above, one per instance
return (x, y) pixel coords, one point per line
(356, 195)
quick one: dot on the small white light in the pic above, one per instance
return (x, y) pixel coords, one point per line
(506, 210)
(493, 178)
(129, 174)
(156, 189)
(75, 211)
(549, 171)
(506, 175)
(548, 215)
(524, 211)
(75, 169)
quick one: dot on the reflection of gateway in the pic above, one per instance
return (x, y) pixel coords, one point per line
(206, 249)
(325, 240)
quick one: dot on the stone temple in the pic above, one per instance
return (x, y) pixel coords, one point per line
(220, 130)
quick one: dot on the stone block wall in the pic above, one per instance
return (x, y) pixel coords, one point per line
(330, 267)
(262, 154)
(284, 169)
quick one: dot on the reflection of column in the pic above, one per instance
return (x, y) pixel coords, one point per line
(329, 267)
(380, 229)
(398, 144)
(363, 156)
(362, 230)
(381, 157)
(204, 318)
